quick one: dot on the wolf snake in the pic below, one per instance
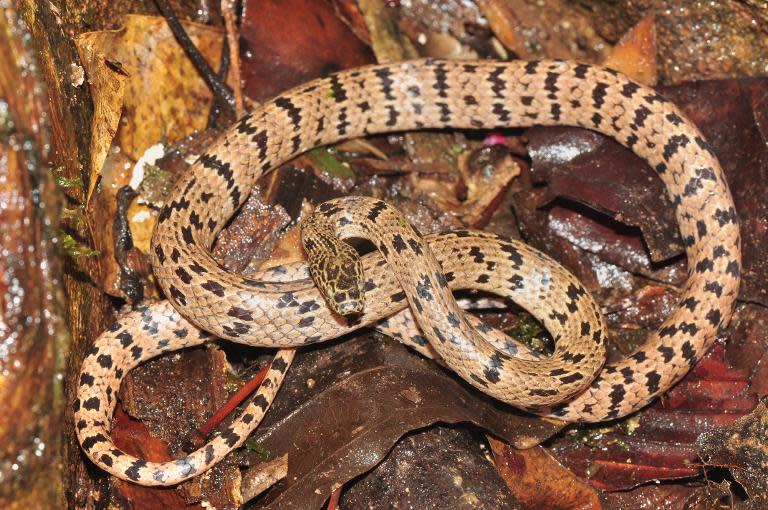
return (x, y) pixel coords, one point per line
(282, 308)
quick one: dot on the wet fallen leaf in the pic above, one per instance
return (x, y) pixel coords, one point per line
(115, 173)
(742, 448)
(592, 169)
(288, 42)
(408, 478)
(348, 419)
(659, 443)
(612, 242)
(538, 480)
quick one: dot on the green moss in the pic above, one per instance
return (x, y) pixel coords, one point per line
(252, 445)
(529, 332)
(74, 249)
(66, 182)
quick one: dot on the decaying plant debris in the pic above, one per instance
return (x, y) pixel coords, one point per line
(97, 96)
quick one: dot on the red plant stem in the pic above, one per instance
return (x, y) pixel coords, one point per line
(333, 501)
(231, 404)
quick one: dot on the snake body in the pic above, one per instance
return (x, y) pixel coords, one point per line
(272, 309)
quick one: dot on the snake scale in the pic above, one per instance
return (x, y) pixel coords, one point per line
(282, 308)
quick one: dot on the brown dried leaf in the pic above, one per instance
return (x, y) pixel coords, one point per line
(107, 83)
(164, 98)
(535, 30)
(635, 54)
(538, 480)
(141, 71)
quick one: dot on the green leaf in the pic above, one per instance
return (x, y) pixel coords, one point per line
(330, 164)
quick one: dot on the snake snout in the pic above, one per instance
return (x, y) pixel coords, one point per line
(348, 298)
(350, 307)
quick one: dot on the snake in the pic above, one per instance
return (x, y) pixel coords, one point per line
(406, 283)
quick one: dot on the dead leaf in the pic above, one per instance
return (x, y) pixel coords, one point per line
(594, 170)
(355, 411)
(107, 84)
(535, 30)
(164, 97)
(635, 54)
(287, 42)
(538, 480)
(743, 448)
(440, 467)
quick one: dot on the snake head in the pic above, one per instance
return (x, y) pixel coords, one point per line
(338, 273)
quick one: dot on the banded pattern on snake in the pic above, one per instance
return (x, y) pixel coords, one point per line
(285, 312)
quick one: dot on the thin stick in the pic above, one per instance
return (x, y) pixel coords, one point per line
(218, 88)
(228, 11)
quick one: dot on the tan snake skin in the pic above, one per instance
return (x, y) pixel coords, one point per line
(288, 313)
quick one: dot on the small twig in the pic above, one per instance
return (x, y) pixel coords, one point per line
(216, 106)
(263, 476)
(228, 11)
(199, 437)
(333, 501)
(234, 401)
(218, 88)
